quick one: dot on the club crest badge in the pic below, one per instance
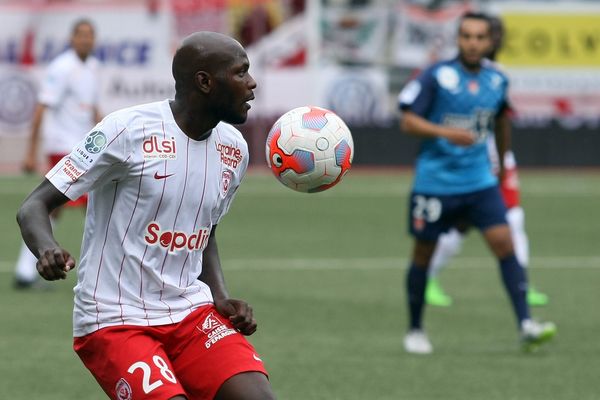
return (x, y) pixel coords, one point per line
(226, 177)
(123, 390)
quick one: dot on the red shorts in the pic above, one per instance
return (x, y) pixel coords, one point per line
(53, 159)
(193, 357)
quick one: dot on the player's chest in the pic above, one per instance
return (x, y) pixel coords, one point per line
(471, 93)
(82, 82)
(180, 173)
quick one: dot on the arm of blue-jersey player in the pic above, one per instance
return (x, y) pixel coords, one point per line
(415, 101)
(417, 125)
(503, 132)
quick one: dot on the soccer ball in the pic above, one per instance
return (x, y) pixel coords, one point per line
(309, 149)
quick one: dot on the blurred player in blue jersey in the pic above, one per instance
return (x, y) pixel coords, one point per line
(454, 106)
(450, 243)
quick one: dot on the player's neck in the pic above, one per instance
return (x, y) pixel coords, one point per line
(191, 122)
(470, 67)
(82, 56)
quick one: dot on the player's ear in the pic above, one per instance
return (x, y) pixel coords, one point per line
(203, 81)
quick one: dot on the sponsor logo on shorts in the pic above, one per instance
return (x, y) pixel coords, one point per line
(230, 155)
(210, 323)
(214, 329)
(95, 142)
(257, 358)
(156, 147)
(123, 390)
(226, 181)
(175, 241)
(71, 170)
(418, 224)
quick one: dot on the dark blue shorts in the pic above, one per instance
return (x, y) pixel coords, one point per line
(432, 215)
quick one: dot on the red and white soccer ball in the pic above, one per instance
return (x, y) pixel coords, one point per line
(309, 149)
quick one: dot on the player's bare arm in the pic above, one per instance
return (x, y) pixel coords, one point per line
(503, 139)
(30, 162)
(417, 125)
(34, 220)
(239, 312)
(97, 115)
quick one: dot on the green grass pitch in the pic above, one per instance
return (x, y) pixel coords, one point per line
(325, 275)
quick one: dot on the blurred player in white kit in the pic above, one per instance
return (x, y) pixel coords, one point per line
(67, 108)
(153, 318)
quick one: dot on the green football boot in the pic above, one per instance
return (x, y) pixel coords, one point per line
(536, 298)
(434, 294)
(534, 334)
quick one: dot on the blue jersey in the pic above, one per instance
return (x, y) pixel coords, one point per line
(448, 94)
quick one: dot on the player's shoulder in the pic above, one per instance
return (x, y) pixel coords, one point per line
(428, 72)
(494, 68)
(146, 110)
(63, 61)
(435, 67)
(68, 60)
(135, 116)
(228, 134)
(93, 62)
(445, 73)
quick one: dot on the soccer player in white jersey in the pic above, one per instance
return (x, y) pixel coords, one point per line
(153, 318)
(450, 243)
(67, 108)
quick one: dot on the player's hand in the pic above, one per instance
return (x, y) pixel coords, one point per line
(239, 314)
(501, 174)
(29, 165)
(54, 264)
(459, 137)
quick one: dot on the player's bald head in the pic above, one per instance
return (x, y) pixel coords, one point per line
(211, 52)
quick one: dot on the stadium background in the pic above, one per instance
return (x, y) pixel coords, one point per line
(351, 56)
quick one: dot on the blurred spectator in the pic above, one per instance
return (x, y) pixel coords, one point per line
(67, 109)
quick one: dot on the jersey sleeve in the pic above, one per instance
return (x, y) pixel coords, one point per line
(54, 85)
(418, 94)
(237, 176)
(100, 158)
(505, 104)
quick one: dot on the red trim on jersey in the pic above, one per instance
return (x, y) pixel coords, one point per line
(162, 268)
(54, 159)
(187, 154)
(201, 203)
(112, 207)
(86, 171)
(125, 235)
(145, 250)
(52, 176)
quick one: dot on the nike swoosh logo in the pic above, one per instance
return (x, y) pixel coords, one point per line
(157, 176)
(256, 357)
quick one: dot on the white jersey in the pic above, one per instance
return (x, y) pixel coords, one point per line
(154, 195)
(70, 90)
